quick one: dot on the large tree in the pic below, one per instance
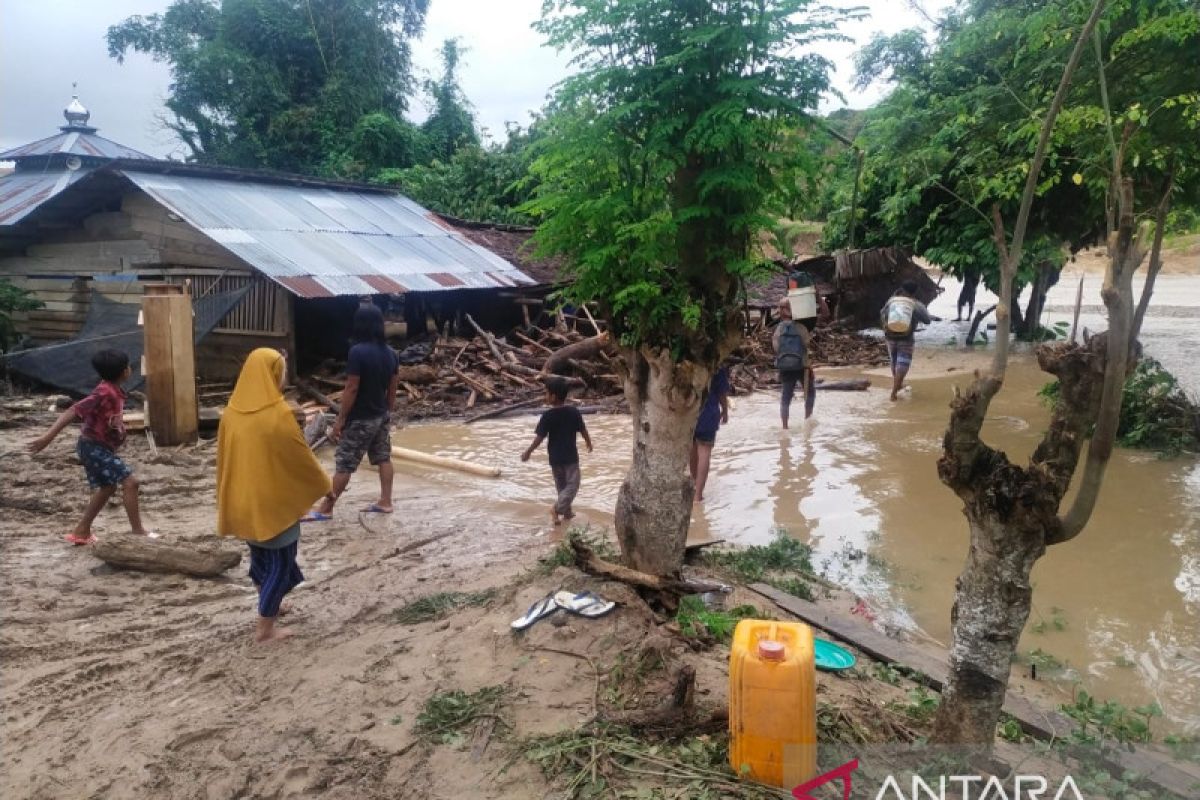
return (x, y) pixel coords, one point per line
(451, 125)
(1071, 138)
(281, 83)
(660, 156)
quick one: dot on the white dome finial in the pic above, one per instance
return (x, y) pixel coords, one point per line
(77, 116)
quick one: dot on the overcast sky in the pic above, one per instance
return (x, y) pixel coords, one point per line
(45, 45)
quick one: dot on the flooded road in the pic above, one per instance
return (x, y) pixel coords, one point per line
(1118, 608)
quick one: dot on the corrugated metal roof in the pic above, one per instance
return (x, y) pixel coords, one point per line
(74, 142)
(22, 192)
(320, 242)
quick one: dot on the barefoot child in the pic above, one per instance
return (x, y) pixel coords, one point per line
(267, 477)
(560, 423)
(102, 435)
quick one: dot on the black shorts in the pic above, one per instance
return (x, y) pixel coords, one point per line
(705, 437)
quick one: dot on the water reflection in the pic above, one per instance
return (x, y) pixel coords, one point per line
(858, 482)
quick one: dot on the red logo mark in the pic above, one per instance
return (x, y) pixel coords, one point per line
(842, 773)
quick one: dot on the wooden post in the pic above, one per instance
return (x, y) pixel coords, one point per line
(174, 415)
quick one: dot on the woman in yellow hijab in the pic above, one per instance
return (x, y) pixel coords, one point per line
(267, 478)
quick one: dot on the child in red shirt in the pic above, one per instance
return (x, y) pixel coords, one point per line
(102, 435)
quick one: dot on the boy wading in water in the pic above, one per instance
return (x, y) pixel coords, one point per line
(899, 322)
(102, 435)
(560, 423)
(363, 424)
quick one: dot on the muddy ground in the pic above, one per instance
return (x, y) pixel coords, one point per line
(120, 684)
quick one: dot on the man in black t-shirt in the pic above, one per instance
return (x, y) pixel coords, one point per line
(560, 423)
(363, 425)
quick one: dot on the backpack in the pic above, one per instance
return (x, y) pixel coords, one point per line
(792, 355)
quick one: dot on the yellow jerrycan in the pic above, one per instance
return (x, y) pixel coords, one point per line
(773, 703)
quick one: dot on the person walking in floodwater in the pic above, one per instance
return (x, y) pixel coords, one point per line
(791, 341)
(714, 413)
(966, 297)
(363, 426)
(267, 477)
(899, 319)
(560, 423)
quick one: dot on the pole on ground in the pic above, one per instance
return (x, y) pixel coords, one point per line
(173, 412)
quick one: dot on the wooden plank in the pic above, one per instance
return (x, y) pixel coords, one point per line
(1153, 768)
(170, 368)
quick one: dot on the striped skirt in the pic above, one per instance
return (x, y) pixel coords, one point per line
(275, 573)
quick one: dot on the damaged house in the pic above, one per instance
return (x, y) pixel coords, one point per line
(85, 220)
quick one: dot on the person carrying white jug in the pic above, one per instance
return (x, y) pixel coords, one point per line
(899, 319)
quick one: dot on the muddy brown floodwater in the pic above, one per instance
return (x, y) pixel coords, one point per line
(1117, 611)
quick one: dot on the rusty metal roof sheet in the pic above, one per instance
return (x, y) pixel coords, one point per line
(324, 242)
(22, 192)
(73, 142)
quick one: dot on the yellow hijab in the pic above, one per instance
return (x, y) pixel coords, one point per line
(267, 477)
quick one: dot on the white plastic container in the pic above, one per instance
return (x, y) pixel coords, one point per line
(899, 315)
(803, 301)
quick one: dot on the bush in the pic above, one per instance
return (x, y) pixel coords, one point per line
(12, 299)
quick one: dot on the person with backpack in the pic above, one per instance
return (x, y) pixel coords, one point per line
(899, 318)
(791, 341)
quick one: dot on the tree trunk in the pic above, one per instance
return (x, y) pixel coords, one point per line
(654, 506)
(1031, 323)
(992, 601)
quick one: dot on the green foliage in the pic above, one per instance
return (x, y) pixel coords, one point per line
(282, 83)
(1056, 622)
(749, 564)
(12, 299)
(662, 155)
(1106, 721)
(697, 621)
(484, 183)
(451, 125)
(1010, 731)
(447, 714)
(921, 706)
(1156, 414)
(437, 606)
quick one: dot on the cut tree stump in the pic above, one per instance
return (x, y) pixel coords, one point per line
(154, 555)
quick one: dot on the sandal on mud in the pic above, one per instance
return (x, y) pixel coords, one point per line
(375, 508)
(80, 541)
(539, 610)
(585, 604)
(316, 516)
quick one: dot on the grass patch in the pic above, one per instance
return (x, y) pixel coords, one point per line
(698, 621)
(1103, 721)
(437, 606)
(921, 706)
(447, 714)
(612, 762)
(754, 563)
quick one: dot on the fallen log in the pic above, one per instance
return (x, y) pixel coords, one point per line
(496, 412)
(445, 462)
(419, 375)
(154, 555)
(304, 387)
(589, 562)
(579, 351)
(855, 385)
(488, 339)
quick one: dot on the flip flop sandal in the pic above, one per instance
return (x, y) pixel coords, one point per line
(80, 541)
(375, 509)
(316, 516)
(539, 610)
(584, 604)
